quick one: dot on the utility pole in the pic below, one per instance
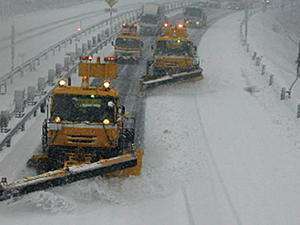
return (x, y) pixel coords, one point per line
(297, 77)
(298, 60)
(246, 21)
(110, 16)
(2, 10)
(12, 46)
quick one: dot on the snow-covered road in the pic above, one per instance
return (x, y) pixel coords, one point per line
(233, 127)
(224, 150)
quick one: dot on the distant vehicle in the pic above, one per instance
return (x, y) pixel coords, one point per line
(203, 4)
(266, 1)
(128, 45)
(236, 4)
(174, 59)
(152, 19)
(195, 16)
(214, 4)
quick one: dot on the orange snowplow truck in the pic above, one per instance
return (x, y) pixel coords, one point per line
(86, 133)
(174, 58)
(128, 45)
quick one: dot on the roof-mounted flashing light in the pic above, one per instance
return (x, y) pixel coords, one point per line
(89, 57)
(181, 25)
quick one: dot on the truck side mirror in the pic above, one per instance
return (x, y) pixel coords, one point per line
(195, 48)
(112, 43)
(121, 110)
(152, 47)
(42, 107)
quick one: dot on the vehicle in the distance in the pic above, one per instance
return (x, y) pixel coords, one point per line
(152, 18)
(195, 16)
(214, 4)
(236, 4)
(128, 45)
(174, 59)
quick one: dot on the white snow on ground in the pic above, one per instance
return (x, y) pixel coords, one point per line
(224, 150)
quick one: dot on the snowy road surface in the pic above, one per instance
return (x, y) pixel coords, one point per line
(221, 151)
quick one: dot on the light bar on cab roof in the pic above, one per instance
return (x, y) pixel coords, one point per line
(111, 59)
(167, 25)
(181, 25)
(90, 58)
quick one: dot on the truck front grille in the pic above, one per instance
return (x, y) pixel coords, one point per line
(82, 139)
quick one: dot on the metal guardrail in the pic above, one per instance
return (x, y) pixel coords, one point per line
(58, 45)
(21, 125)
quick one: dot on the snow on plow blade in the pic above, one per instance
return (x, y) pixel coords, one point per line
(70, 174)
(148, 80)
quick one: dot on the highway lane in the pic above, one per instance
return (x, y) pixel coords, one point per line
(127, 85)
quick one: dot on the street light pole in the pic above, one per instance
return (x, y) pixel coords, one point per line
(298, 60)
(297, 77)
(246, 21)
(12, 46)
(111, 31)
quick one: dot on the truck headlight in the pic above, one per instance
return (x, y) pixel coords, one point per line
(62, 83)
(106, 121)
(57, 119)
(106, 84)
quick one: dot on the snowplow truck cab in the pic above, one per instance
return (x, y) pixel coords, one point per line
(174, 59)
(174, 52)
(86, 123)
(128, 45)
(152, 18)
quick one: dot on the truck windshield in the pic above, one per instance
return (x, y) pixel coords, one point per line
(89, 108)
(148, 19)
(174, 47)
(193, 11)
(127, 42)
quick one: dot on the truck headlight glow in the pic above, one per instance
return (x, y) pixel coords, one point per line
(106, 121)
(62, 83)
(106, 84)
(57, 119)
(180, 25)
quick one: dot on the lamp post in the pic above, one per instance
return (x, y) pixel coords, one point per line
(298, 61)
(246, 21)
(12, 46)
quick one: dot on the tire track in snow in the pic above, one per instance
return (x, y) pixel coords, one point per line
(216, 168)
(188, 207)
